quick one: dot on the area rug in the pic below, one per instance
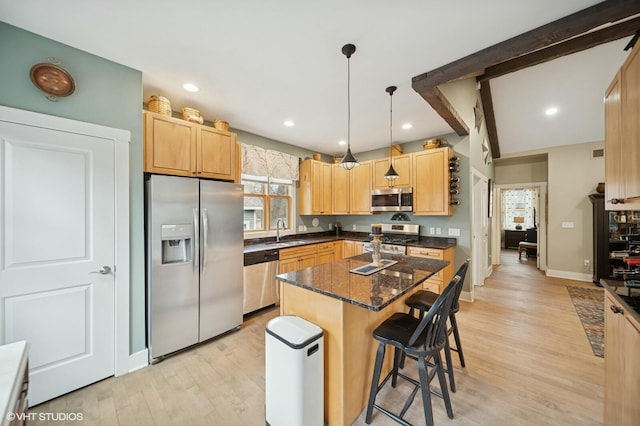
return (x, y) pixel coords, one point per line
(589, 304)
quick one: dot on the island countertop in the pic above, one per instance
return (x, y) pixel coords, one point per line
(373, 292)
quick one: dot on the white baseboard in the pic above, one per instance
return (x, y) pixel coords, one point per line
(569, 275)
(138, 360)
(467, 296)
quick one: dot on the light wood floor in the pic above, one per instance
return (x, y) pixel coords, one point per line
(528, 363)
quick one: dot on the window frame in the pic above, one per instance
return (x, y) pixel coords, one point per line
(266, 196)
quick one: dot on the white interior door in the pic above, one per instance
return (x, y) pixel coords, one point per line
(480, 232)
(57, 255)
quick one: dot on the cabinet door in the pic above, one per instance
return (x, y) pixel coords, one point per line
(631, 338)
(217, 156)
(358, 247)
(348, 249)
(360, 198)
(613, 363)
(307, 261)
(320, 187)
(431, 182)
(401, 164)
(630, 141)
(612, 149)
(169, 145)
(340, 191)
(288, 265)
(337, 250)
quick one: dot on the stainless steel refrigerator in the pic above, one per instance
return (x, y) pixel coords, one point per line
(194, 261)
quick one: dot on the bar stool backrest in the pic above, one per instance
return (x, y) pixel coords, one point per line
(462, 273)
(433, 326)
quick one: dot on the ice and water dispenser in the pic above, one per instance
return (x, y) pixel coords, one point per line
(177, 243)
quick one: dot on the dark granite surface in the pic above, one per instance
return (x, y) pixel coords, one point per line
(373, 292)
(260, 244)
(628, 297)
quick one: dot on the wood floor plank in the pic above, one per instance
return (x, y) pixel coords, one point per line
(528, 363)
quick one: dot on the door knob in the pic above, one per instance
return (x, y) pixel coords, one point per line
(104, 270)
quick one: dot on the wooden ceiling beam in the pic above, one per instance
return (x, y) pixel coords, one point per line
(574, 45)
(490, 118)
(570, 26)
(441, 105)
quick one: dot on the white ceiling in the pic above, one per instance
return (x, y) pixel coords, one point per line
(259, 63)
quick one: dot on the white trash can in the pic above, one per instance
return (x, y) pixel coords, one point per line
(294, 372)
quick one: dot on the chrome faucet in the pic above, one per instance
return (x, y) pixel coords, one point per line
(278, 222)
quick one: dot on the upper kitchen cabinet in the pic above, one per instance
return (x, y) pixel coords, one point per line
(360, 188)
(401, 164)
(622, 137)
(341, 189)
(431, 182)
(177, 147)
(315, 188)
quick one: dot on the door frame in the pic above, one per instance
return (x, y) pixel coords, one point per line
(541, 217)
(121, 139)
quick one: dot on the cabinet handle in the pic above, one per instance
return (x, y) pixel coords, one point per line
(617, 310)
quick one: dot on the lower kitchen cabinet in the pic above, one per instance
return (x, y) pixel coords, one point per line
(439, 281)
(325, 253)
(296, 258)
(621, 364)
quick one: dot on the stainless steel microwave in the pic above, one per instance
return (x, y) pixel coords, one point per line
(392, 200)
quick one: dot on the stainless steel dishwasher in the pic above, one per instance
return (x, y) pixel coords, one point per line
(260, 285)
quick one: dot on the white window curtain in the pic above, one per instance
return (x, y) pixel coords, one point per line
(521, 203)
(258, 161)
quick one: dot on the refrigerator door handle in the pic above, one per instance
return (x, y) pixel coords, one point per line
(205, 239)
(196, 237)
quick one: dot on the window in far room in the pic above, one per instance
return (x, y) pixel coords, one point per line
(519, 208)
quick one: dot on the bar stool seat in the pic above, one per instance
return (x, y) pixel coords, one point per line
(423, 300)
(422, 339)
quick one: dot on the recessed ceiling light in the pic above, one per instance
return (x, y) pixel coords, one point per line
(407, 126)
(289, 123)
(342, 143)
(551, 111)
(190, 87)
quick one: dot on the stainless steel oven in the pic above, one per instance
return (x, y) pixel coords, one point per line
(395, 238)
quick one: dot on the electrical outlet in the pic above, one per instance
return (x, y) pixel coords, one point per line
(331, 227)
(432, 230)
(454, 232)
(300, 228)
(568, 225)
(353, 227)
(438, 231)
(587, 263)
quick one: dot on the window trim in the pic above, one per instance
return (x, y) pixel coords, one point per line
(271, 232)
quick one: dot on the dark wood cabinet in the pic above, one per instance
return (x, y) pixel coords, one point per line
(512, 238)
(600, 238)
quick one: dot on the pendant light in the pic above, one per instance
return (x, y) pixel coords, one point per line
(349, 161)
(391, 174)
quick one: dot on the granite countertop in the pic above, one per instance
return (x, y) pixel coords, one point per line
(373, 292)
(261, 244)
(628, 297)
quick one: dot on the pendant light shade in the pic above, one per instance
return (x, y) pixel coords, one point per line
(349, 161)
(391, 174)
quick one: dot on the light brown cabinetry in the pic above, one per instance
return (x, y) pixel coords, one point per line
(337, 250)
(325, 253)
(293, 259)
(352, 248)
(622, 367)
(340, 189)
(351, 189)
(439, 281)
(315, 188)
(622, 137)
(360, 189)
(401, 164)
(177, 147)
(431, 182)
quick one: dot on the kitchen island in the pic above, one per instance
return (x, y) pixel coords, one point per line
(348, 307)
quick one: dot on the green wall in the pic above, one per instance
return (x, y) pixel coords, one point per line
(106, 93)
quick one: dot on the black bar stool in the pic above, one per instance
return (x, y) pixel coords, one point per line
(423, 300)
(422, 339)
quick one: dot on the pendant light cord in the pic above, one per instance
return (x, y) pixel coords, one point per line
(391, 129)
(349, 103)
